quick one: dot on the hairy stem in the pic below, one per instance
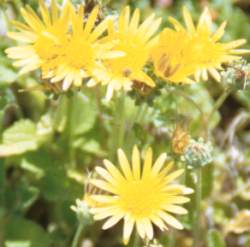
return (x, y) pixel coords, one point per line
(197, 211)
(219, 102)
(119, 123)
(77, 235)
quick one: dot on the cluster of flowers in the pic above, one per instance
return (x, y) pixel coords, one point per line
(72, 47)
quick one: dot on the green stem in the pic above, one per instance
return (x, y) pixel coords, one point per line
(136, 240)
(219, 103)
(70, 137)
(190, 100)
(119, 123)
(197, 211)
(77, 235)
(2, 201)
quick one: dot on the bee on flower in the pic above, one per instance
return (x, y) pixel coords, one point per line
(140, 195)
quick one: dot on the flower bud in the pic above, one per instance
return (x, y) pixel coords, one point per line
(82, 211)
(198, 153)
(236, 76)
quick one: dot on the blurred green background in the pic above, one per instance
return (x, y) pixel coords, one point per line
(49, 141)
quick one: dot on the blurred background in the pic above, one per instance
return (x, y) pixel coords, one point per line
(49, 141)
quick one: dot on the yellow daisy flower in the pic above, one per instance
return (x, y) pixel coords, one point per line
(41, 36)
(82, 52)
(141, 196)
(207, 50)
(134, 40)
(172, 56)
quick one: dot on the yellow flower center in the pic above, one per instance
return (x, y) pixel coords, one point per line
(78, 53)
(212, 52)
(141, 198)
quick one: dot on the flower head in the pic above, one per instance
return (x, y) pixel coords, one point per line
(208, 52)
(134, 40)
(172, 56)
(41, 37)
(82, 52)
(141, 196)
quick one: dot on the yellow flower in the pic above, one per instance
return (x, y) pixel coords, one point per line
(207, 51)
(172, 56)
(141, 196)
(82, 52)
(41, 37)
(134, 40)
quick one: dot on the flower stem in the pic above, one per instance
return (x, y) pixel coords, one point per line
(136, 240)
(197, 211)
(191, 101)
(219, 102)
(118, 125)
(77, 235)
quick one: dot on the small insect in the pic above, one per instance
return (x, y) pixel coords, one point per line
(127, 72)
(164, 66)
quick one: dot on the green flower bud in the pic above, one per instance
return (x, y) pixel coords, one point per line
(236, 76)
(82, 211)
(198, 153)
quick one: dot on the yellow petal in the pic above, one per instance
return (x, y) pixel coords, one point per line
(136, 163)
(188, 20)
(147, 163)
(127, 229)
(125, 166)
(112, 221)
(170, 220)
(159, 163)
(91, 20)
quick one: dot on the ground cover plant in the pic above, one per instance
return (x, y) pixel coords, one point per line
(124, 123)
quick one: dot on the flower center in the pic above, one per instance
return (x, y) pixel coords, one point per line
(78, 53)
(212, 52)
(141, 198)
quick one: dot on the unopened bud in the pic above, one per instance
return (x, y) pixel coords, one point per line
(82, 211)
(237, 75)
(198, 153)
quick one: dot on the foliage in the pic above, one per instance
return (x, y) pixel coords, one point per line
(50, 140)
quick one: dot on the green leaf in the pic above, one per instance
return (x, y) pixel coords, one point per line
(215, 239)
(19, 138)
(54, 185)
(7, 76)
(60, 114)
(83, 112)
(17, 244)
(25, 135)
(22, 230)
